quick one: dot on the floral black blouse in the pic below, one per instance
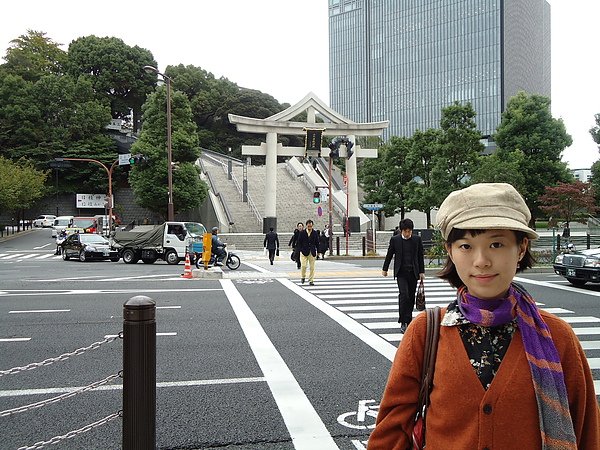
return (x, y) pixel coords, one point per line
(485, 346)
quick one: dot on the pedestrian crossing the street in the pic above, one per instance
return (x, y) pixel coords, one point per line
(373, 302)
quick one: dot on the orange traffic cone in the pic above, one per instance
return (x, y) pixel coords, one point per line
(187, 271)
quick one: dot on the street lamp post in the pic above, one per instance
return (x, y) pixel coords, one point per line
(109, 173)
(170, 207)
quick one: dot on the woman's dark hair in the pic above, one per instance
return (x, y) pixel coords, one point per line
(449, 272)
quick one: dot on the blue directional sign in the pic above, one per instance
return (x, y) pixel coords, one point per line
(372, 206)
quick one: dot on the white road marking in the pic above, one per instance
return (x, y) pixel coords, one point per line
(39, 311)
(590, 345)
(368, 337)
(558, 311)
(168, 307)
(14, 339)
(31, 255)
(556, 286)
(594, 364)
(42, 246)
(114, 387)
(586, 331)
(13, 256)
(581, 319)
(49, 255)
(306, 428)
(31, 292)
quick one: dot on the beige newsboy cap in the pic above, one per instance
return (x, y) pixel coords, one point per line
(485, 206)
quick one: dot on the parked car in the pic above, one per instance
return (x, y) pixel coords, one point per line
(579, 267)
(45, 220)
(60, 223)
(86, 247)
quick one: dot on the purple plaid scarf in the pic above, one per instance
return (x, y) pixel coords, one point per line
(556, 426)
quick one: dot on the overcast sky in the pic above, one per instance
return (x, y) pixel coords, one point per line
(280, 47)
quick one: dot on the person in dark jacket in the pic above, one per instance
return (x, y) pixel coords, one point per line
(308, 241)
(323, 243)
(271, 243)
(409, 266)
(294, 243)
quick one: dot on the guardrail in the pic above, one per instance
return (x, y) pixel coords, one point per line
(139, 380)
(10, 229)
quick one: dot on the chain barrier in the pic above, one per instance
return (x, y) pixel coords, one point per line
(62, 357)
(74, 433)
(49, 401)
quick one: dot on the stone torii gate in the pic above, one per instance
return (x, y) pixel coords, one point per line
(280, 123)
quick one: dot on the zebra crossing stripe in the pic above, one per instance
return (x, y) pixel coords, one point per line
(13, 256)
(49, 255)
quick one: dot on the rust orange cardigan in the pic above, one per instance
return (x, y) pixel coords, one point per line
(462, 415)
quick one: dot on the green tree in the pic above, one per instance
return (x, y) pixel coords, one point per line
(459, 148)
(21, 184)
(211, 101)
(397, 173)
(527, 125)
(595, 131)
(149, 181)
(115, 70)
(370, 174)
(422, 159)
(569, 201)
(33, 55)
(501, 167)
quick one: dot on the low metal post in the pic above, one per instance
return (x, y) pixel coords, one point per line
(558, 243)
(588, 241)
(139, 374)
(337, 245)
(364, 246)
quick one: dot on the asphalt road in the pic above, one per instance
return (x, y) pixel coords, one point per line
(252, 362)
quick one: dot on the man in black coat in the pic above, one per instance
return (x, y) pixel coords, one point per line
(271, 243)
(409, 266)
(294, 243)
(308, 242)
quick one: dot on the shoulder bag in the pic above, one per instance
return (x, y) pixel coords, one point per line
(431, 343)
(420, 297)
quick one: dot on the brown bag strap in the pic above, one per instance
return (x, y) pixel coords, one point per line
(430, 353)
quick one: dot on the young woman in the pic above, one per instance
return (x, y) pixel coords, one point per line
(508, 375)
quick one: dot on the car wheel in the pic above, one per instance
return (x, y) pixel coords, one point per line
(575, 282)
(82, 256)
(171, 257)
(64, 255)
(129, 256)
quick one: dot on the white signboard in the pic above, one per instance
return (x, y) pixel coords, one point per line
(90, 200)
(124, 159)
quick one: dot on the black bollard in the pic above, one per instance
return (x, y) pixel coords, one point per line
(364, 246)
(337, 245)
(139, 374)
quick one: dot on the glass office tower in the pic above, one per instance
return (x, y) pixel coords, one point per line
(404, 60)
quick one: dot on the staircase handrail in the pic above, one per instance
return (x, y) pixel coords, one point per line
(254, 209)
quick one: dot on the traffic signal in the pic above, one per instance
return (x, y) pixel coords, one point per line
(334, 148)
(137, 159)
(317, 197)
(349, 145)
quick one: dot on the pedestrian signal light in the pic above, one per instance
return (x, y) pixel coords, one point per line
(317, 197)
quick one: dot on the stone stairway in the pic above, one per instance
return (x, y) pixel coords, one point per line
(294, 199)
